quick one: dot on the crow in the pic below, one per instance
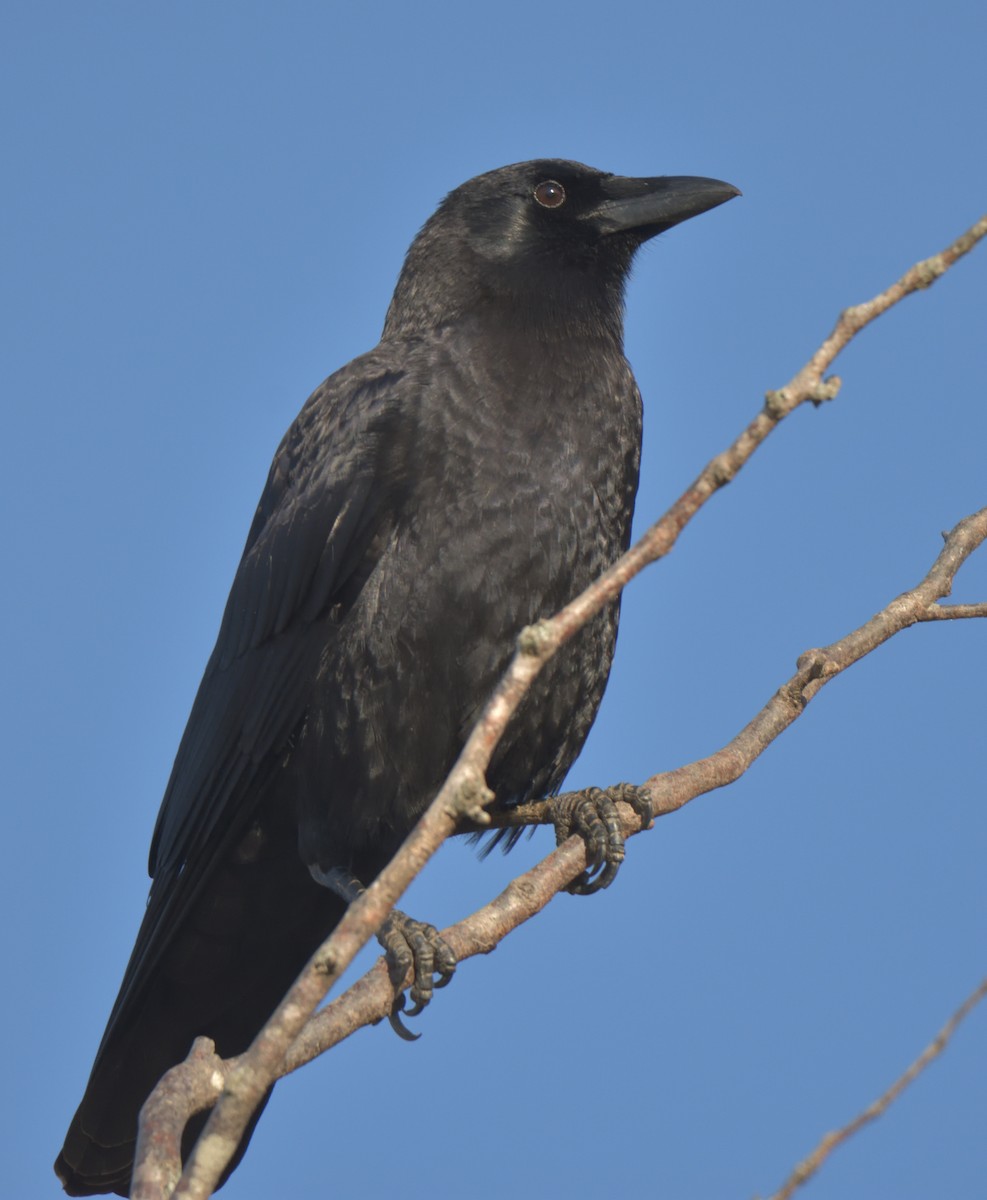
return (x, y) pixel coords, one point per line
(465, 478)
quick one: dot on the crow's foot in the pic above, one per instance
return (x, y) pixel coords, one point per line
(592, 814)
(409, 945)
(414, 945)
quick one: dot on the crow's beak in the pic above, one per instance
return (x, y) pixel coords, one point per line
(650, 206)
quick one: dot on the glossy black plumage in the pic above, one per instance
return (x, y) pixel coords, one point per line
(469, 475)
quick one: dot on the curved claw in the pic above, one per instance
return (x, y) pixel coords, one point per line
(395, 1022)
(415, 946)
(592, 814)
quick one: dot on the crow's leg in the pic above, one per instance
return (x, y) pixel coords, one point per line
(408, 944)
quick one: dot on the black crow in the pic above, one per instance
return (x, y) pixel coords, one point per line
(468, 476)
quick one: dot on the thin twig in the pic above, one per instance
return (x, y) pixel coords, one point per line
(816, 668)
(809, 1166)
(464, 794)
(954, 612)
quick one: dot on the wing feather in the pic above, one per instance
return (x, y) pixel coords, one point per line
(330, 491)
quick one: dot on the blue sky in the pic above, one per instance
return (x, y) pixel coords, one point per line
(205, 210)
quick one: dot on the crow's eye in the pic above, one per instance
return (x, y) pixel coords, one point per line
(550, 194)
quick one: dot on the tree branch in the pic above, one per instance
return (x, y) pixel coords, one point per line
(198, 1083)
(816, 668)
(188, 1088)
(954, 612)
(809, 1166)
(463, 796)
(672, 789)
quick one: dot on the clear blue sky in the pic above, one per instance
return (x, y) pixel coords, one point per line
(205, 208)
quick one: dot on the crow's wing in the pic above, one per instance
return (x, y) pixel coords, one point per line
(337, 479)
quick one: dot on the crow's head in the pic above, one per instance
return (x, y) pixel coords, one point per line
(547, 238)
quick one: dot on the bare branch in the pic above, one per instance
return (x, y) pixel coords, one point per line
(248, 1082)
(815, 669)
(809, 1166)
(538, 643)
(809, 384)
(369, 1000)
(188, 1088)
(198, 1082)
(954, 612)
(672, 789)
(463, 796)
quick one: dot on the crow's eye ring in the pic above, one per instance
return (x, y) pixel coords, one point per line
(550, 194)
